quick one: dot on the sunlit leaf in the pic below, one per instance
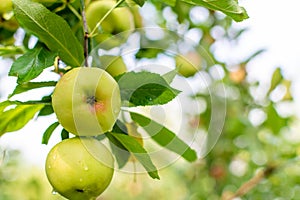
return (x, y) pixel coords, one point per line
(31, 85)
(276, 79)
(31, 64)
(170, 76)
(16, 117)
(228, 7)
(165, 137)
(51, 29)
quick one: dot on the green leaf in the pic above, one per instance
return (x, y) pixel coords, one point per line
(51, 29)
(165, 137)
(139, 2)
(228, 7)
(24, 87)
(145, 88)
(10, 50)
(274, 121)
(17, 117)
(148, 53)
(276, 79)
(64, 134)
(254, 55)
(138, 151)
(121, 153)
(47, 134)
(46, 110)
(31, 64)
(170, 2)
(170, 76)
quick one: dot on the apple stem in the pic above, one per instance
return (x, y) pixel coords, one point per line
(86, 35)
(93, 33)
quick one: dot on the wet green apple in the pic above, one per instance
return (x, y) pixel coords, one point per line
(188, 64)
(87, 101)
(114, 65)
(79, 168)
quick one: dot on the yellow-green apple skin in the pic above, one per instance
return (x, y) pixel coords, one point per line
(79, 168)
(119, 20)
(114, 65)
(5, 6)
(189, 64)
(86, 101)
(138, 20)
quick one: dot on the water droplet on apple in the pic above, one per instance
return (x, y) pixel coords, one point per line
(54, 192)
(49, 166)
(80, 180)
(86, 168)
(54, 157)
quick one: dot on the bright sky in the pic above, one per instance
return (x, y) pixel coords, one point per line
(272, 25)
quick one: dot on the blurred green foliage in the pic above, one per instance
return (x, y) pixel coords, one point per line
(19, 180)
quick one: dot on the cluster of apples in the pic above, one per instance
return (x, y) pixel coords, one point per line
(86, 101)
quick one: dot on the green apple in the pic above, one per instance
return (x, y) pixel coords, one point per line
(114, 65)
(79, 168)
(138, 20)
(87, 101)
(5, 6)
(188, 64)
(119, 20)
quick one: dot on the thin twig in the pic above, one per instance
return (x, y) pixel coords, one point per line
(93, 33)
(86, 36)
(254, 181)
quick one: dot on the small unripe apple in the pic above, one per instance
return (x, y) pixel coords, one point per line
(79, 168)
(5, 6)
(87, 101)
(119, 20)
(188, 64)
(138, 20)
(114, 65)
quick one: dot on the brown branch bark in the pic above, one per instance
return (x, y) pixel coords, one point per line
(249, 185)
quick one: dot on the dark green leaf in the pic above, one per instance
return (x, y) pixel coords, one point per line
(138, 151)
(228, 7)
(31, 64)
(138, 2)
(46, 110)
(64, 134)
(47, 134)
(121, 153)
(145, 88)
(148, 53)
(24, 87)
(51, 29)
(165, 137)
(17, 117)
